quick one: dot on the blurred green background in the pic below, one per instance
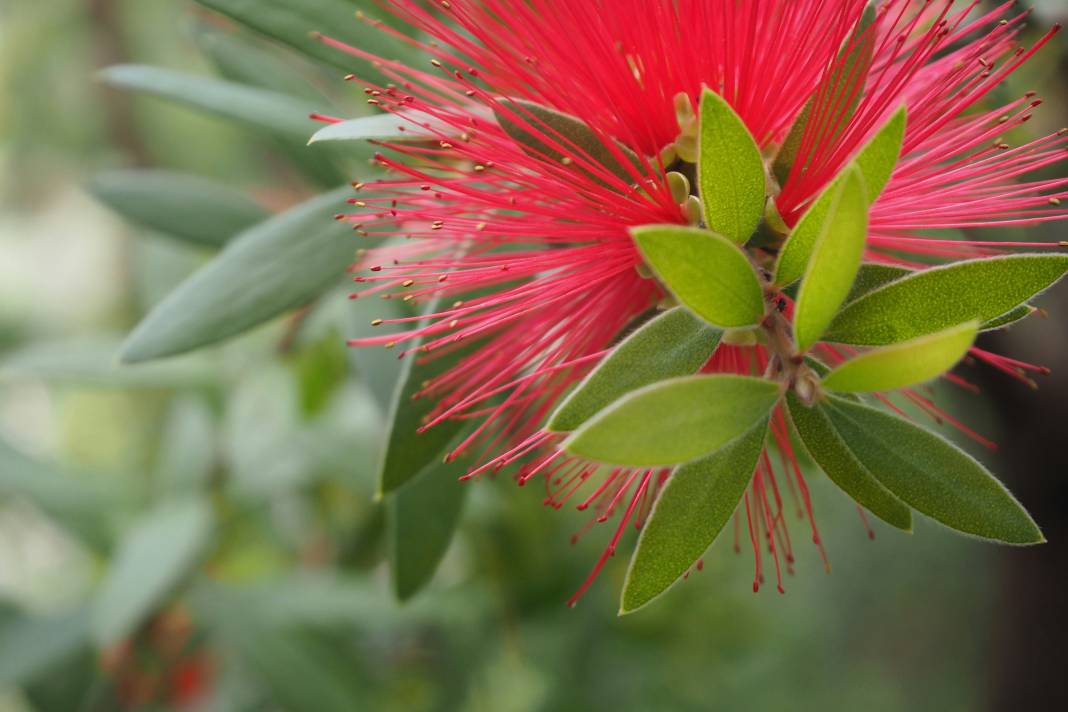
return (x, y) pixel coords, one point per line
(201, 532)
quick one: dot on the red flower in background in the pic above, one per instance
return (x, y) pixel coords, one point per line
(529, 251)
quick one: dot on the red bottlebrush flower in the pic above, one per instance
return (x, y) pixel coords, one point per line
(520, 225)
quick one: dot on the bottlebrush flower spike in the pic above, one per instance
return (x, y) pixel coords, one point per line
(548, 131)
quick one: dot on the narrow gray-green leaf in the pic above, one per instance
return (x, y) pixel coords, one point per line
(830, 452)
(551, 135)
(386, 127)
(423, 515)
(730, 171)
(932, 475)
(408, 452)
(180, 205)
(941, 297)
(153, 557)
(268, 110)
(674, 421)
(675, 343)
(297, 24)
(276, 266)
(879, 156)
(706, 272)
(689, 514)
(903, 364)
(834, 262)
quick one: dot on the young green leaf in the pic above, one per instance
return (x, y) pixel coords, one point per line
(941, 297)
(834, 262)
(674, 421)
(878, 158)
(268, 110)
(180, 205)
(903, 364)
(932, 475)
(1009, 318)
(277, 265)
(562, 138)
(153, 557)
(836, 99)
(689, 514)
(675, 343)
(730, 171)
(422, 516)
(706, 272)
(833, 456)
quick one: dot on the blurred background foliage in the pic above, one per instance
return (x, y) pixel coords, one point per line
(201, 532)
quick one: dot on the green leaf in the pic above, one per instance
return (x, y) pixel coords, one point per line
(185, 206)
(278, 265)
(155, 554)
(689, 514)
(1009, 318)
(412, 125)
(297, 23)
(834, 262)
(706, 272)
(674, 421)
(565, 137)
(263, 109)
(904, 364)
(730, 171)
(407, 451)
(871, 276)
(932, 475)
(675, 343)
(423, 516)
(834, 457)
(836, 98)
(941, 297)
(32, 646)
(879, 156)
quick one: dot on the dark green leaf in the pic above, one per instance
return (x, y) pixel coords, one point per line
(689, 514)
(834, 260)
(565, 139)
(674, 421)
(730, 171)
(153, 557)
(276, 266)
(180, 205)
(296, 24)
(423, 516)
(903, 364)
(706, 272)
(408, 452)
(675, 343)
(830, 452)
(260, 108)
(31, 646)
(932, 475)
(836, 99)
(941, 297)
